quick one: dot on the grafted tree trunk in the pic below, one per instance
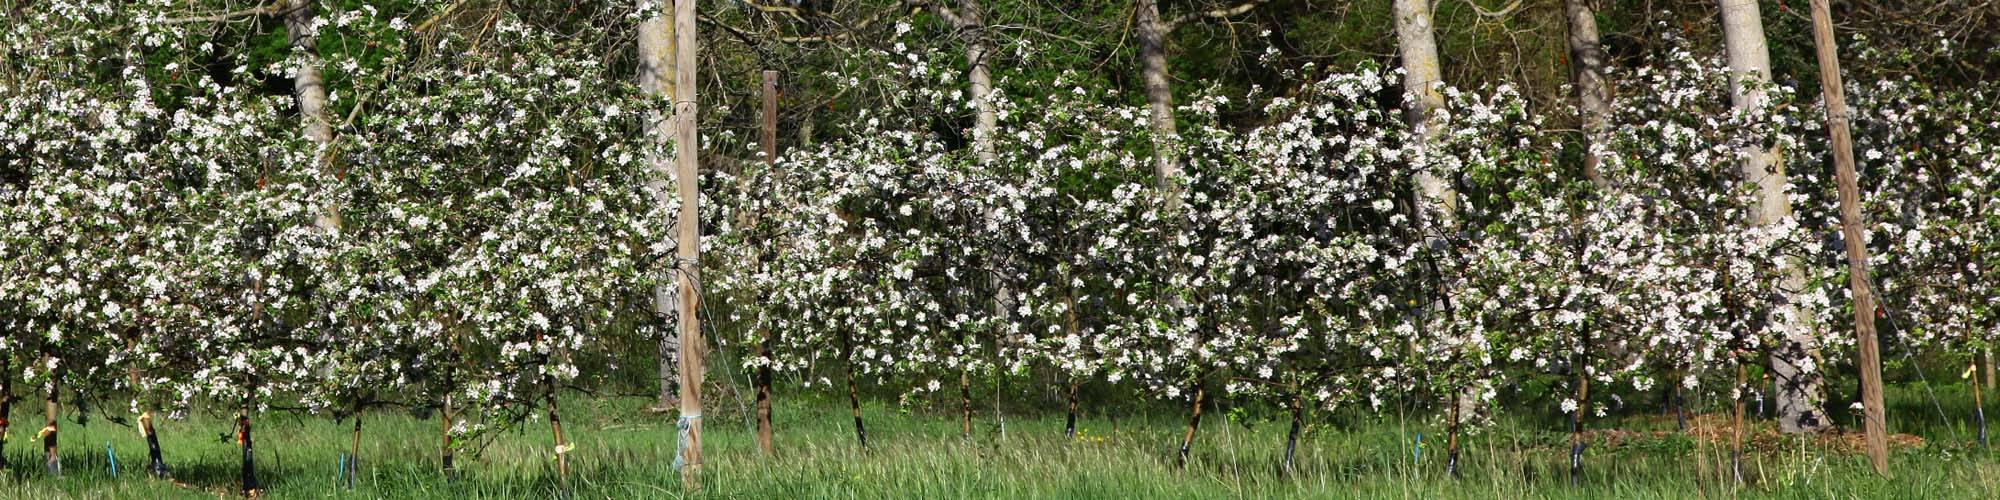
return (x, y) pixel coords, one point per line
(656, 47)
(1593, 92)
(1799, 390)
(1873, 419)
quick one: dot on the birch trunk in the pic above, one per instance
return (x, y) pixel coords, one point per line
(1593, 93)
(1796, 354)
(1153, 31)
(1417, 45)
(309, 92)
(656, 78)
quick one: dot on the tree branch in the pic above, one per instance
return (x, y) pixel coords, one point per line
(1223, 13)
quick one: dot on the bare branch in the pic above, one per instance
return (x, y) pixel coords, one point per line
(1222, 13)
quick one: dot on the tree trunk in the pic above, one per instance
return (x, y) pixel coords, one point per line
(1799, 390)
(1194, 422)
(1159, 89)
(444, 430)
(1451, 437)
(1581, 365)
(309, 92)
(156, 463)
(1298, 425)
(1978, 408)
(1593, 92)
(1417, 45)
(969, 22)
(1069, 422)
(656, 77)
(249, 473)
(1736, 430)
(51, 461)
(1857, 253)
(964, 400)
(6, 403)
(354, 455)
(562, 446)
(853, 393)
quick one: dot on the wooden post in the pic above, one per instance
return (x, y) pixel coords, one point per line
(687, 167)
(770, 340)
(1851, 224)
(444, 451)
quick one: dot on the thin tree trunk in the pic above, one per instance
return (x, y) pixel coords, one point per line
(1070, 327)
(1736, 430)
(156, 462)
(249, 473)
(1298, 425)
(1069, 422)
(562, 446)
(1978, 408)
(964, 400)
(656, 77)
(1154, 74)
(1451, 437)
(51, 461)
(1582, 406)
(1593, 93)
(969, 21)
(6, 402)
(1194, 422)
(853, 393)
(1799, 391)
(354, 453)
(1870, 360)
(444, 431)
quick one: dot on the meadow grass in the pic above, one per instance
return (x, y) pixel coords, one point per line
(624, 452)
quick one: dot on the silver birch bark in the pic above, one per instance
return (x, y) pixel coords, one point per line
(1593, 93)
(309, 91)
(656, 77)
(1794, 359)
(1153, 31)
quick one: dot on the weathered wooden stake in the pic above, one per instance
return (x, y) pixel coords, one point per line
(770, 339)
(1851, 225)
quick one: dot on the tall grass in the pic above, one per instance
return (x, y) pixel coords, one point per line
(624, 452)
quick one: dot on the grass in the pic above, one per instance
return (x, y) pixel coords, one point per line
(623, 452)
